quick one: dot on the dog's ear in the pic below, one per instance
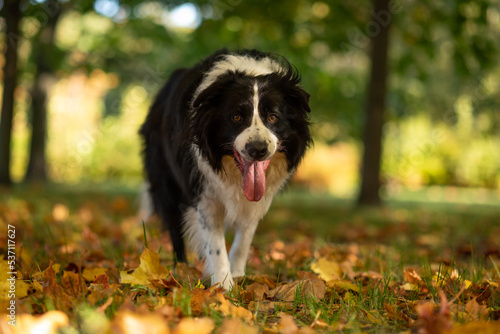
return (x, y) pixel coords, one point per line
(299, 97)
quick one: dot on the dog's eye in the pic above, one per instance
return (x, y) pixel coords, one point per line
(272, 118)
(236, 118)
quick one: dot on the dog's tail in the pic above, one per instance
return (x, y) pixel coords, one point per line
(146, 207)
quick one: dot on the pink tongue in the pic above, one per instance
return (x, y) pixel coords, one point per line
(254, 179)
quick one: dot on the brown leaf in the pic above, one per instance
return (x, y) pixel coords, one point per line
(264, 306)
(54, 291)
(73, 284)
(263, 279)
(102, 279)
(255, 291)
(432, 321)
(476, 311)
(307, 288)
(200, 298)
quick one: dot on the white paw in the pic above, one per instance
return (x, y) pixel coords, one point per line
(238, 273)
(226, 281)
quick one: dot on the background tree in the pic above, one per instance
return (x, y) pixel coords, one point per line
(12, 14)
(375, 105)
(43, 57)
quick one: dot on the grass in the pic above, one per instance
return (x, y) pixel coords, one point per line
(449, 245)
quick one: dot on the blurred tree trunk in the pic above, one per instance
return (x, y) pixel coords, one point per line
(43, 47)
(374, 110)
(12, 15)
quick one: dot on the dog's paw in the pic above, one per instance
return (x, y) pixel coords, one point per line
(239, 273)
(227, 282)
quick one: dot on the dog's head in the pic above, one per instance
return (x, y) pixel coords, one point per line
(251, 118)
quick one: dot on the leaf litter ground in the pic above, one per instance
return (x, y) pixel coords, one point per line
(85, 265)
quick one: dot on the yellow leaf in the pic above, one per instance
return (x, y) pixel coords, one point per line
(91, 273)
(342, 285)
(482, 327)
(372, 318)
(326, 269)
(348, 297)
(148, 269)
(19, 287)
(410, 287)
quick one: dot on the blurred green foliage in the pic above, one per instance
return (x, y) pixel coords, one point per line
(111, 58)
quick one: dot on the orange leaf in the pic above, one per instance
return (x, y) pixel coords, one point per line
(194, 326)
(228, 309)
(128, 322)
(49, 322)
(236, 326)
(287, 325)
(201, 298)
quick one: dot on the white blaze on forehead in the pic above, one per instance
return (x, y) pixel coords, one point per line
(256, 131)
(233, 63)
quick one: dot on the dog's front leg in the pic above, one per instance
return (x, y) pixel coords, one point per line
(239, 249)
(205, 232)
(216, 260)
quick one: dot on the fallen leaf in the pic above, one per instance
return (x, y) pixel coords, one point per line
(255, 292)
(307, 288)
(54, 291)
(73, 284)
(48, 323)
(412, 277)
(476, 311)
(431, 322)
(236, 326)
(194, 326)
(200, 298)
(149, 268)
(340, 285)
(5, 282)
(326, 269)
(482, 327)
(91, 273)
(128, 322)
(287, 325)
(230, 310)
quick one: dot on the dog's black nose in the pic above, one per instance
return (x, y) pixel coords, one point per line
(256, 149)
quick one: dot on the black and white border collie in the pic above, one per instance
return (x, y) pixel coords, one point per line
(220, 140)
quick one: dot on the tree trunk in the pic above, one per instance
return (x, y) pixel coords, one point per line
(375, 105)
(12, 16)
(42, 47)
